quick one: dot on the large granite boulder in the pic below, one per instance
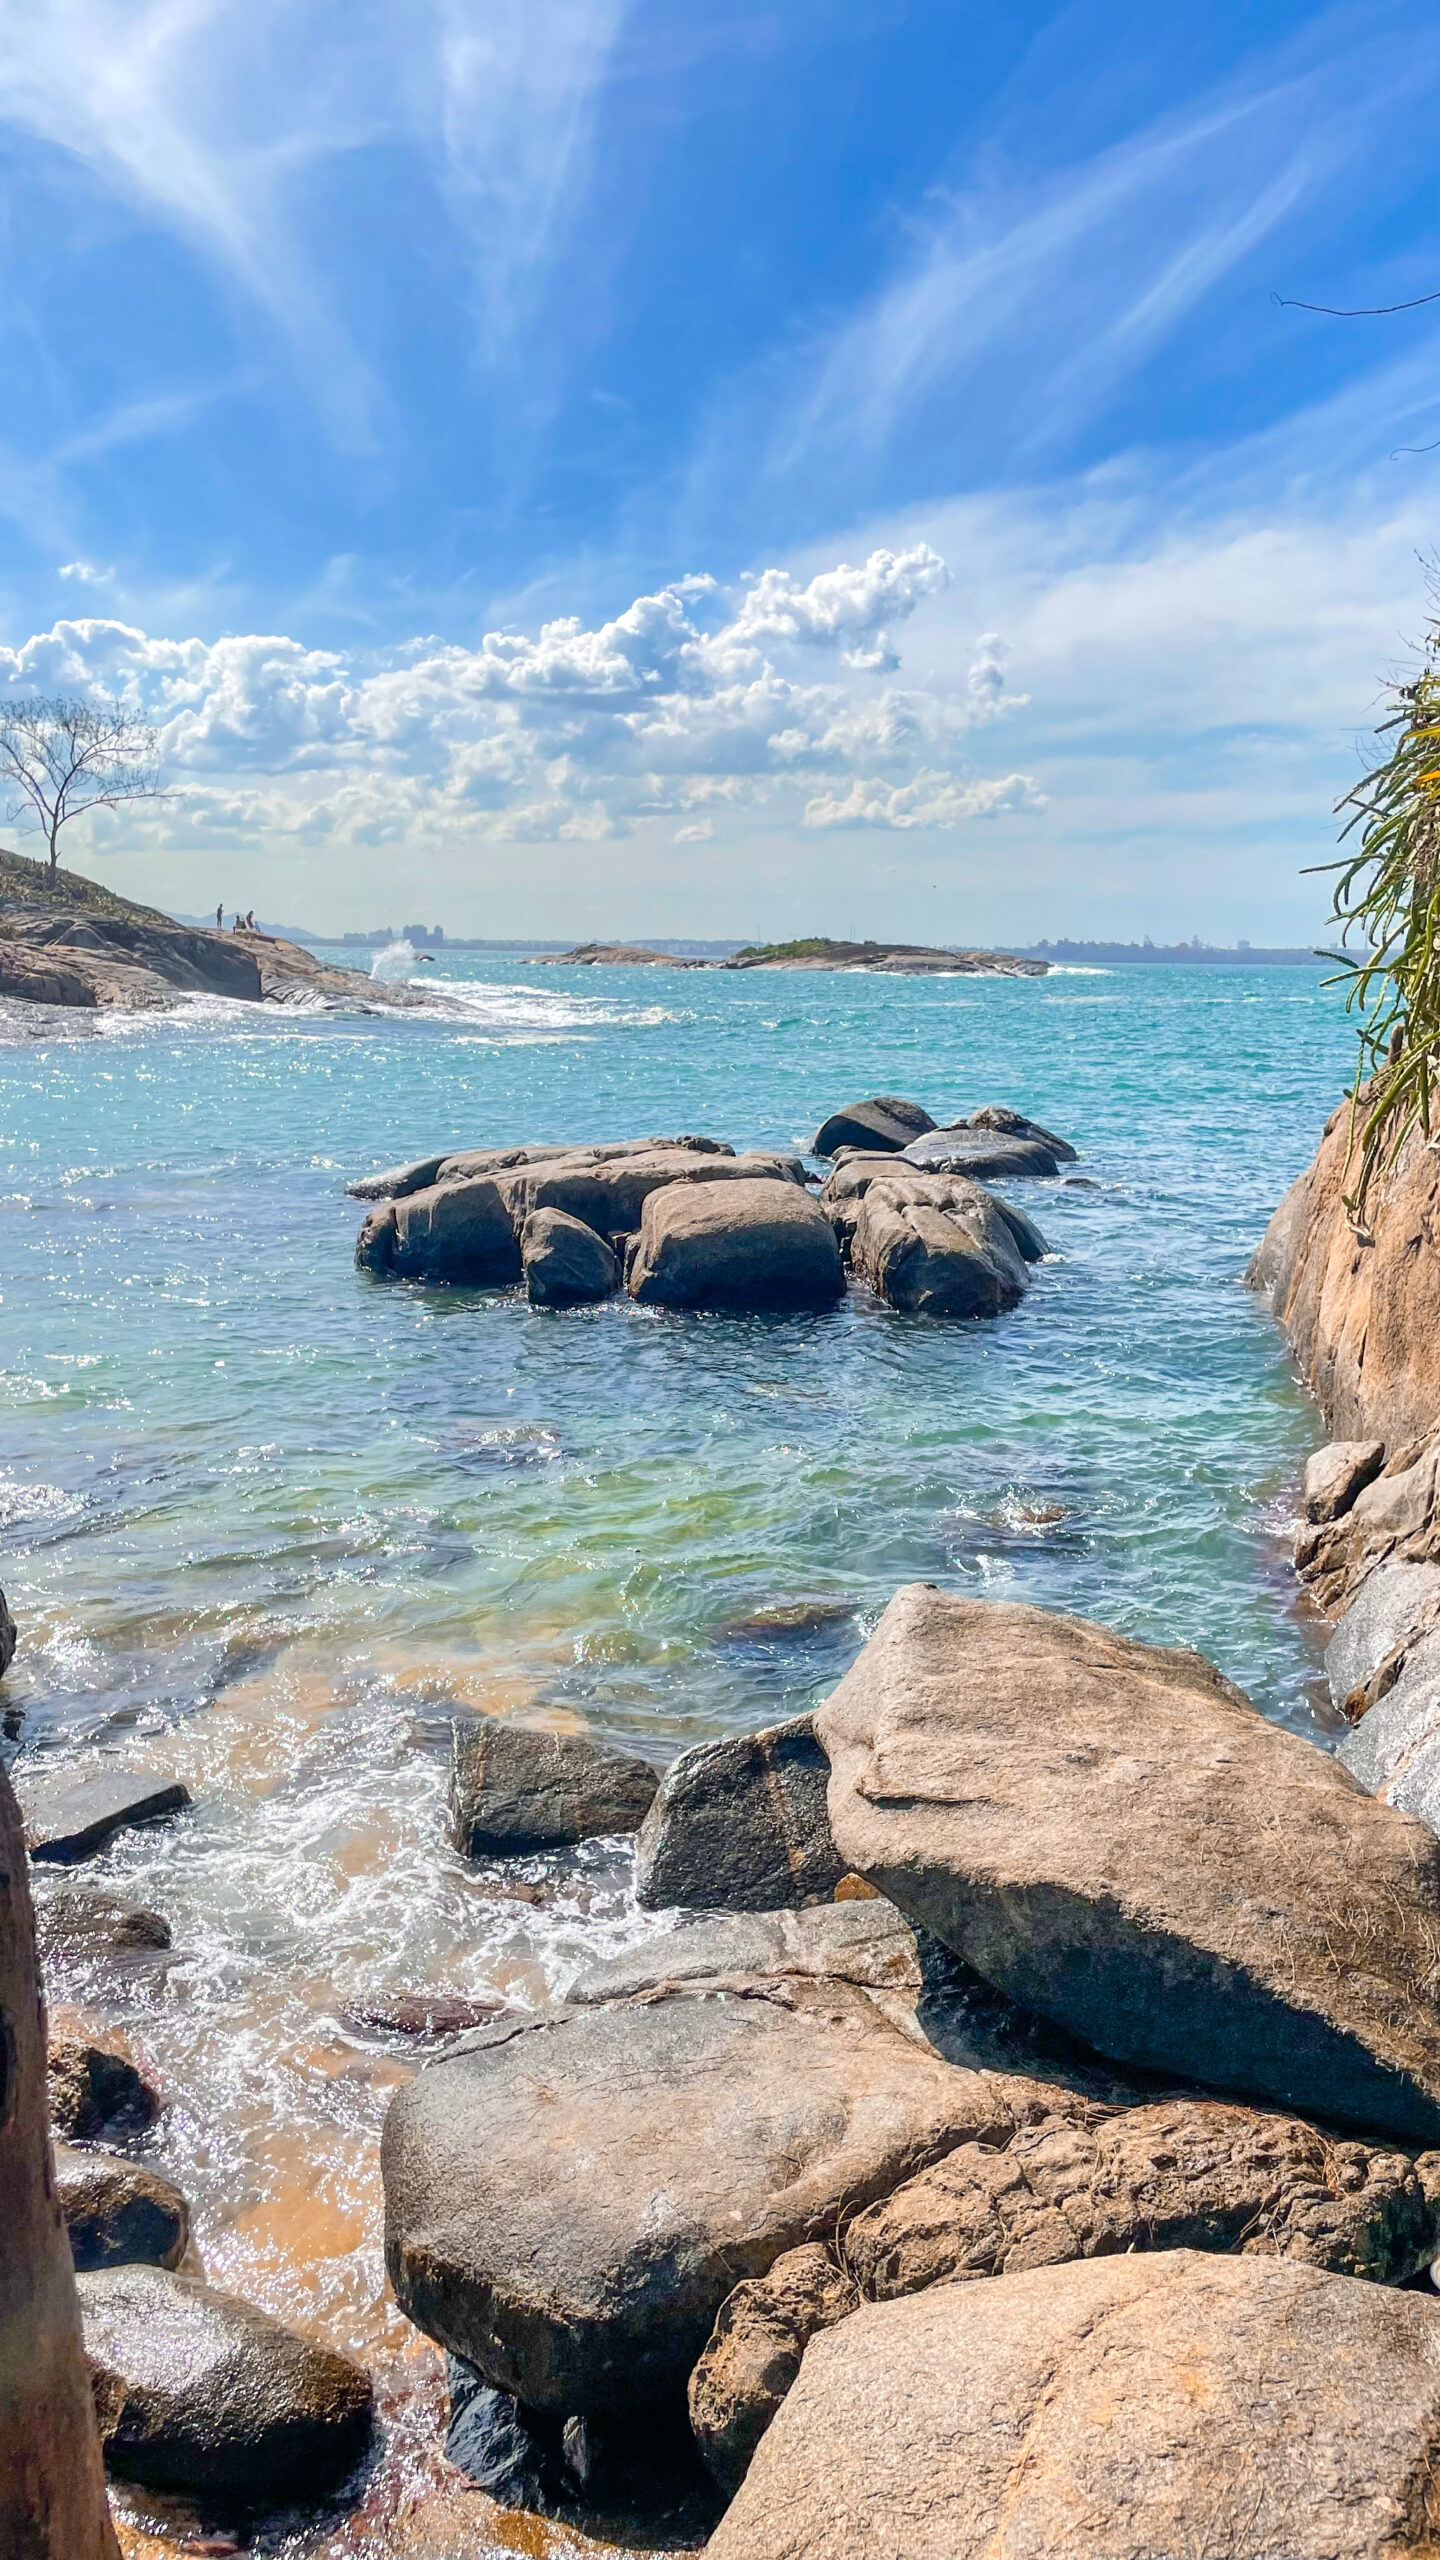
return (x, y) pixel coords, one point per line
(458, 1233)
(52, 2493)
(1109, 1833)
(753, 2354)
(884, 1122)
(740, 1825)
(1336, 1473)
(1128, 2408)
(463, 1163)
(957, 1260)
(1394, 1750)
(512, 1791)
(565, 1263)
(738, 1247)
(607, 1189)
(1395, 1607)
(570, 2198)
(1189, 2173)
(119, 2212)
(199, 2394)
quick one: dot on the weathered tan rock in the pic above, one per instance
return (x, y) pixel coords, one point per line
(1111, 1834)
(569, 2199)
(1362, 1312)
(753, 2353)
(1132, 2408)
(607, 1188)
(956, 1258)
(744, 1245)
(97, 2090)
(52, 2494)
(454, 1232)
(1190, 2173)
(119, 2212)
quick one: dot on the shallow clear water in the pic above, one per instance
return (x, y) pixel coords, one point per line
(266, 1521)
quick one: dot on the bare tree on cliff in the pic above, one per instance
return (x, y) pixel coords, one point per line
(60, 757)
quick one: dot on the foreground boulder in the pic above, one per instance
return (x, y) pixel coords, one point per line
(740, 1825)
(565, 1263)
(1130, 2408)
(512, 1791)
(52, 2493)
(119, 2212)
(884, 1122)
(746, 1246)
(570, 2198)
(959, 1259)
(1110, 1834)
(1189, 2173)
(457, 1232)
(200, 2395)
(753, 2354)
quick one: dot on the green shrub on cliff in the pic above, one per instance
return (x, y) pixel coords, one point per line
(1388, 895)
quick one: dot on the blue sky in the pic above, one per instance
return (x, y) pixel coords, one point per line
(599, 465)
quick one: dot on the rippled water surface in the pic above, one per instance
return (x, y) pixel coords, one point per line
(267, 1523)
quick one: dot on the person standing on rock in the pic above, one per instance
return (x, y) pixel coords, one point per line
(220, 919)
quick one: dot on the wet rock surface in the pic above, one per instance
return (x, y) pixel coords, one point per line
(7, 1636)
(98, 2092)
(512, 1790)
(69, 1818)
(740, 1825)
(458, 1233)
(119, 2212)
(979, 1152)
(570, 2199)
(515, 2457)
(744, 1245)
(1084, 1820)
(950, 1251)
(198, 2393)
(1121, 2407)
(753, 2353)
(1188, 2174)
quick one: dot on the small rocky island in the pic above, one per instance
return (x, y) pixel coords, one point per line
(685, 1222)
(891, 959)
(69, 941)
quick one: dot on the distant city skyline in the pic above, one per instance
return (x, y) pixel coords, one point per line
(846, 465)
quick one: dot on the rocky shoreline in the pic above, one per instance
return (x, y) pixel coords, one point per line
(1023, 2132)
(887, 959)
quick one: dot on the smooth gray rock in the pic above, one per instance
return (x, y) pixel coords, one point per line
(69, 1818)
(1336, 1473)
(570, 2198)
(201, 2395)
(1393, 1605)
(740, 1825)
(456, 1234)
(1110, 1833)
(999, 1117)
(884, 1122)
(119, 2212)
(1394, 1750)
(512, 1790)
(566, 1264)
(978, 1154)
(867, 1943)
(735, 1248)
(397, 1180)
(515, 2458)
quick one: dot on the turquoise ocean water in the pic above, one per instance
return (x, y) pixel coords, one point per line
(267, 1522)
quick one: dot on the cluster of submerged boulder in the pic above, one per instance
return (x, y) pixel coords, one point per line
(1030, 2129)
(687, 1223)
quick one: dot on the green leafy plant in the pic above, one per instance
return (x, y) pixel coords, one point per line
(1388, 895)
